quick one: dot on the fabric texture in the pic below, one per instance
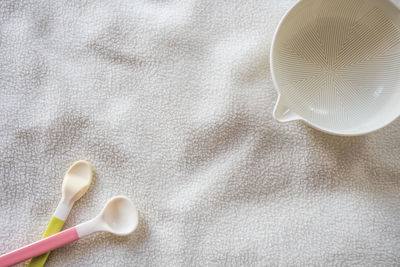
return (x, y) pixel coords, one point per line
(172, 103)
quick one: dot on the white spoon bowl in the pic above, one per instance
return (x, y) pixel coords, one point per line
(119, 217)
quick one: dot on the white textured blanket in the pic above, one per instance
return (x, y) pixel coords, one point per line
(171, 101)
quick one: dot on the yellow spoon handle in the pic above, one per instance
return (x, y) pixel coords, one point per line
(53, 227)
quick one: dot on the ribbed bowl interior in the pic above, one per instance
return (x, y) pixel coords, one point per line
(337, 63)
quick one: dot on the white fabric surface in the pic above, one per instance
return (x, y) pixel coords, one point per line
(171, 101)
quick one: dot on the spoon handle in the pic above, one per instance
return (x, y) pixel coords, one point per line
(39, 247)
(53, 227)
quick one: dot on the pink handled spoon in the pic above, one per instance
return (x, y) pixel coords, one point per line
(119, 217)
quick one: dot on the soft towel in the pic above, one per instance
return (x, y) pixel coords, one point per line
(171, 101)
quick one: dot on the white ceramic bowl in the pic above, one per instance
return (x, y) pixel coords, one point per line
(336, 65)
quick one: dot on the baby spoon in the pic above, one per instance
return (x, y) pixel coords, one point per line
(119, 217)
(75, 184)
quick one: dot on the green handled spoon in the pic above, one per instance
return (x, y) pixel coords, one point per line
(75, 184)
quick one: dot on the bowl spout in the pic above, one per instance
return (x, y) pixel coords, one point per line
(283, 113)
